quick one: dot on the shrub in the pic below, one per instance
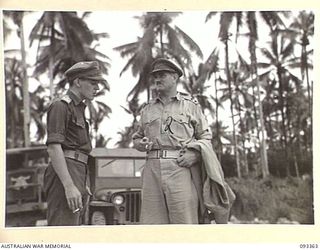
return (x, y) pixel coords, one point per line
(272, 198)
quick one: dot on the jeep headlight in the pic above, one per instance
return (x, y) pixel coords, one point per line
(118, 200)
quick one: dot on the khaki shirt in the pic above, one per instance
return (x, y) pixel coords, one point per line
(173, 125)
(66, 124)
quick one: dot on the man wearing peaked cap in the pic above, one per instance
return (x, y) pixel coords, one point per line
(163, 64)
(87, 70)
(174, 133)
(167, 125)
(66, 180)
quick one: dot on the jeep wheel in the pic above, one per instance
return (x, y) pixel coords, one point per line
(98, 218)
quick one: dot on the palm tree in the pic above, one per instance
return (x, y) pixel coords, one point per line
(243, 101)
(302, 29)
(194, 84)
(13, 71)
(273, 20)
(17, 17)
(159, 39)
(212, 68)
(279, 55)
(64, 39)
(226, 19)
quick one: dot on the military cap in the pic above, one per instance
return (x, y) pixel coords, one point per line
(162, 64)
(87, 70)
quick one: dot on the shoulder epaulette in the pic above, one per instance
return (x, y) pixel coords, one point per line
(188, 97)
(66, 99)
(143, 105)
(146, 104)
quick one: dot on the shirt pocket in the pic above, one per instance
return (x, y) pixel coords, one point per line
(78, 130)
(152, 126)
(180, 126)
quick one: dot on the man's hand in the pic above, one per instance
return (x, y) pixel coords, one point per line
(144, 144)
(73, 198)
(188, 157)
(59, 165)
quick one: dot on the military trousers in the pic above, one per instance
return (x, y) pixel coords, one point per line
(58, 212)
(168, 194)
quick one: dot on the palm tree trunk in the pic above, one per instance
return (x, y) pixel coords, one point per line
(161, 41)
(26, 97)
(243, 154)
(243, 141)
(310, 98)
(13, 123)
(263, 149)
(292, 149)
(51, 61)
(304, 52)
(217, 118)
(231, 108)
(283, 122)
(245, 158)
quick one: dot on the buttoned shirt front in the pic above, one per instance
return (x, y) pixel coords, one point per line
(66, 124)
(172, 125)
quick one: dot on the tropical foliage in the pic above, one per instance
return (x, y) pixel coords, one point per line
(63, 39)
(263, 84)
(160, 39)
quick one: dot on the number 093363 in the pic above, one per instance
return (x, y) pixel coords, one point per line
(308, 246)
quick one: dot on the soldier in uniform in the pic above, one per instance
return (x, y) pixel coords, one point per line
(168, 124)
(68, 145)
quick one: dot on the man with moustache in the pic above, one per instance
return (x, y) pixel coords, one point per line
(168, 124)
(68, 144)
(182, 181)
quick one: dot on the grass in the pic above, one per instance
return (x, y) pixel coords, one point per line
(273, 198)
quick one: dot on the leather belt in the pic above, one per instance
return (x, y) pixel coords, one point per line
(164, 154)
(76, 155)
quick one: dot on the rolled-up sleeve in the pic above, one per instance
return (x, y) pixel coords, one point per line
(57, 118)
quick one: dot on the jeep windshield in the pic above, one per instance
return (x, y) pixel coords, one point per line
(120, 167)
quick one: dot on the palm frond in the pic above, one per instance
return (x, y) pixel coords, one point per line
(188, 40)
(210, 15)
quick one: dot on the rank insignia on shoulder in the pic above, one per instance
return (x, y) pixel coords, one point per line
(66, 99)
(143, 105)
(194, 100)
(189, 97)
(184, 96)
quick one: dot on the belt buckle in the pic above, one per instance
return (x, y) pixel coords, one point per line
(159, 154)
(163, 153)
(76, 155)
